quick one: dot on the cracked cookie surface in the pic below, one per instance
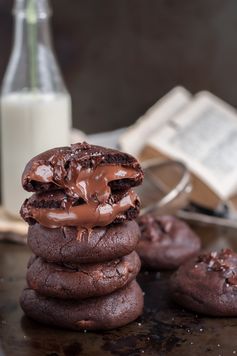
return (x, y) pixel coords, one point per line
(79, 281)
(90, 246)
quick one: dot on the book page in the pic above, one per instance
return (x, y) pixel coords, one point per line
(135, 137)
(204, 136)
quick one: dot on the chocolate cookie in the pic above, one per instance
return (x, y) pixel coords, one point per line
(82, 166)
(81, 281)
(56, 209)
(166, 242)
(103, 313)
(208, 284)
(72, 245)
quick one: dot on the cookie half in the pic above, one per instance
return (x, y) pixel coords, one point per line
(68, 168)
(101, 313)
(55, 209)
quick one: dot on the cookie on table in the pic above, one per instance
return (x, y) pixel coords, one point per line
(73, 245)
(207, 284)
(166, 242)
(101, 313)
(80, 281)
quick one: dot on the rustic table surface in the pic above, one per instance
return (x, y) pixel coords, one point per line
(164, 328)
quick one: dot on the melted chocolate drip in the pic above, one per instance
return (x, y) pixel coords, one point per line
(63, 171)
(85, 174)
(86, 215)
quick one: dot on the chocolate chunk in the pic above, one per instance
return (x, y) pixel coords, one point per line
(166, 242)
(80, 281)
(88, 246)
(103, 313)
(207, 284)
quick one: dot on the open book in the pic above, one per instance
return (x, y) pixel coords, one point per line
(202, 134)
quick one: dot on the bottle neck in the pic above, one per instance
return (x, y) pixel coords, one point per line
(40, 8)
(31, 23)
(33, 65)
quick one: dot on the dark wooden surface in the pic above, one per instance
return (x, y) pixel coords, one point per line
(118, 57)
(163, 330)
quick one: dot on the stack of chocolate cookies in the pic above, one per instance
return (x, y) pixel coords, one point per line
(83, 236)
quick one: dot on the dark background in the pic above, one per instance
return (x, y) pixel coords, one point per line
(119, 56)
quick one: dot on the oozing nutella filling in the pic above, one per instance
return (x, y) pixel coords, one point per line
(86, 215)
(86, 183)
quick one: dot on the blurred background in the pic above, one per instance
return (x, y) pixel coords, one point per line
(119, 57)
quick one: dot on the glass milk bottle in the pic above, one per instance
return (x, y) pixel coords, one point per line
(35, 105)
